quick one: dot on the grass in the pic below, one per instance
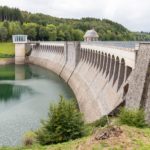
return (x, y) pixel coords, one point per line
(7, 50)
(131, 138)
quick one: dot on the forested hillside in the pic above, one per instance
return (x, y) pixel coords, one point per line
(44, 27)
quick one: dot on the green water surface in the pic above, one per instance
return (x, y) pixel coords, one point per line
(25, 95)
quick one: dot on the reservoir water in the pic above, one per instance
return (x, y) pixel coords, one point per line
(25, 95)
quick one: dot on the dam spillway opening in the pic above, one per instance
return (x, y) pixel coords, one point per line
(26, 92)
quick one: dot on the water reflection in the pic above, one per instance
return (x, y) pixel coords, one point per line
(25, 94)
(19, 72)
(7, 72)
(10, 91)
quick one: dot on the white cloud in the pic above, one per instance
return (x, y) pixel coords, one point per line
(134, 14)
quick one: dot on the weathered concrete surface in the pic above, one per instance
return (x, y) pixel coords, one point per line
(94, 78)
(71, 59)
(128, 54)
(19, 53)
(138, 95)
(95, 94)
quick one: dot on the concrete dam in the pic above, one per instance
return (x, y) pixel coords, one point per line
(101, 75)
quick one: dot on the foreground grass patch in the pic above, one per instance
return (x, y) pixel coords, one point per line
(131, 138)
(112, 136)
(7, 50)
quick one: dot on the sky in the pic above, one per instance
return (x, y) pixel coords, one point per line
(133, 14)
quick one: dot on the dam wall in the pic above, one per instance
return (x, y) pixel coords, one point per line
(96, 74)
(138, 95)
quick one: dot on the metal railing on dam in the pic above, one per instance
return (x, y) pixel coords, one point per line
(96, 72)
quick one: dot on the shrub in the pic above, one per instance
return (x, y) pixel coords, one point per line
(132, 117)
(101, 122)
(29, 138)
(64, 123)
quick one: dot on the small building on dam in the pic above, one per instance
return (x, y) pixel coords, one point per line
(91, 35)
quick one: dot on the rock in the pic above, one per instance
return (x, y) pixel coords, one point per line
(107, 133)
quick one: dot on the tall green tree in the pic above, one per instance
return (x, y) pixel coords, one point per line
(10, 14)
(52, 31)
(15, 28)
(43, 33)
(60, 35)
(3, 33)
(30, 29)
(77, 35)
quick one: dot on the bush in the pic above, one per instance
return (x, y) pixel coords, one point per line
(64, 123)
(132, 117)
(101, 122)
(29, 138)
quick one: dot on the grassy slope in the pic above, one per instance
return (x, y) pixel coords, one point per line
(7, 50)
(132, 138)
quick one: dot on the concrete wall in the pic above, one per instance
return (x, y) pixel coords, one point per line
(19, 53)
(138, 95)
(96, 75)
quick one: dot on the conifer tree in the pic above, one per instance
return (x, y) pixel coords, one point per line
(64, 123)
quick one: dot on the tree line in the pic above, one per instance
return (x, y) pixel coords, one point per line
(39, 32)
(45, 27)
(11, 14)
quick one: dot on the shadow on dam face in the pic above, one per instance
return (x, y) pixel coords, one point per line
(96, 74)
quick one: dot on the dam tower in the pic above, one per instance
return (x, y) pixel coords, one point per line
(20, 43)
